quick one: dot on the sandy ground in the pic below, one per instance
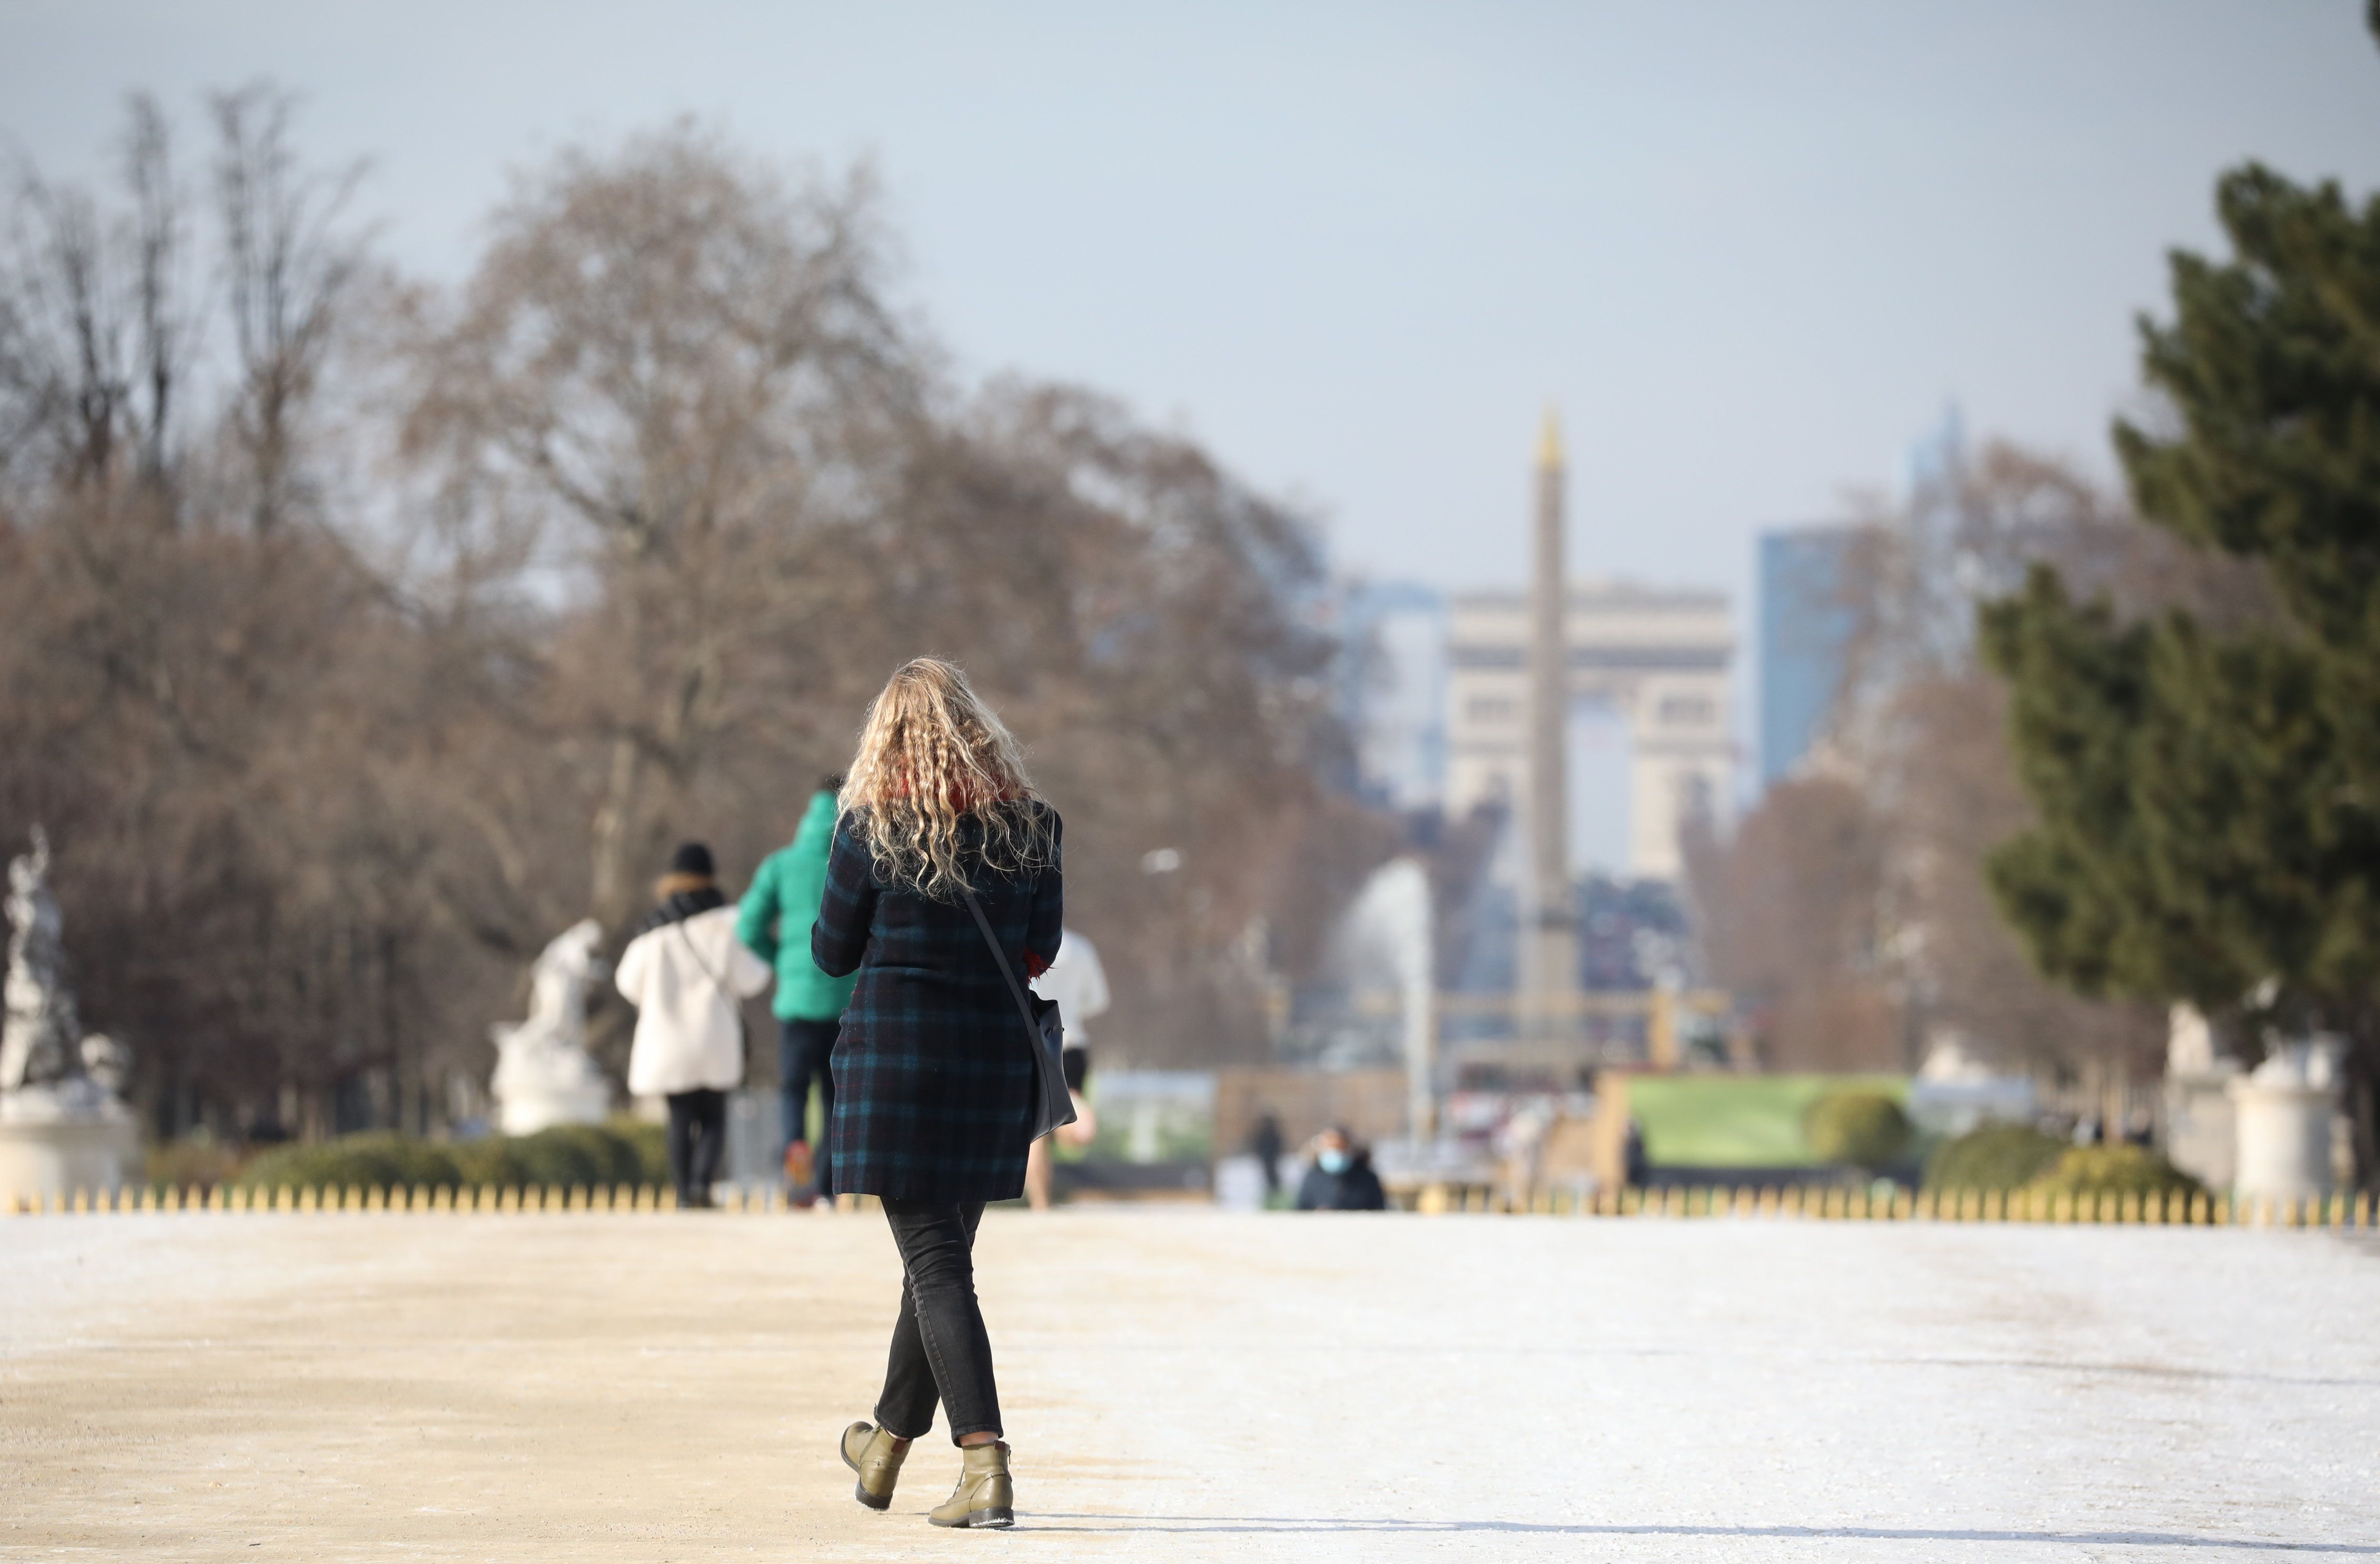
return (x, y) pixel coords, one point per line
(1191, 1385)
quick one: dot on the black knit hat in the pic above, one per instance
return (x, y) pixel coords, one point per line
(692, 857)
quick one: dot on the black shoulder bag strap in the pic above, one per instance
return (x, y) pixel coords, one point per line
(1052, 1104)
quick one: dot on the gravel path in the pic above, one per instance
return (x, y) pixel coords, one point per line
(1191, 1384)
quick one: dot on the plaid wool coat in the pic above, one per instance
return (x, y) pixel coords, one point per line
(934, 1073)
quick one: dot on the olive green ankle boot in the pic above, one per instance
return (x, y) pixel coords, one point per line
(985, 1496)
(877, 1457)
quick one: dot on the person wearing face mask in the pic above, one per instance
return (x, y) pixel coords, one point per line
(1341, 1177)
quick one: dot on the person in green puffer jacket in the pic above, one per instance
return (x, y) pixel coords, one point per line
(775, 923)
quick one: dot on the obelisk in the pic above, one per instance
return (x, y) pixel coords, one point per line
(1548, 916)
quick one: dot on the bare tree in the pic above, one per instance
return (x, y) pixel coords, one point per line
(1793, 917)
(288, 264)
(681, 364)
(672, 487)
(166, 321)
(1918, 738)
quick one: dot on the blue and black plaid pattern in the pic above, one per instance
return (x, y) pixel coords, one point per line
(933, 1079)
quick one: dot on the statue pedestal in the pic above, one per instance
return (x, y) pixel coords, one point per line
(2283, 1113)
(526, 1109)
(58, 1156)
(2202, 1135)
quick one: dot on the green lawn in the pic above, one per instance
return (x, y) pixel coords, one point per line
(1736, 1121)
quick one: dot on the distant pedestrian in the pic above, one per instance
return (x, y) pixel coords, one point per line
(1267, 1144)
(775, 921)
(1077, 984)
(941, 833)
(685, 974)
(1341, 1177)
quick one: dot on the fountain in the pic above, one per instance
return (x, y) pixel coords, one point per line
(1388, 935)
(544, 1074)
(62, 1125)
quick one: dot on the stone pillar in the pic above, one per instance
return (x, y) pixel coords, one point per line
(2284, 1112)
(2200, 1123)
(1548, 918)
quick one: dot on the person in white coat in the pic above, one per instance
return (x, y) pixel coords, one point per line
(1078, 984)
(687, 974)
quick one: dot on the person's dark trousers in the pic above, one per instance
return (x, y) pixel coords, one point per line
(804, 1051)
(940, 1351)
(697, 1138)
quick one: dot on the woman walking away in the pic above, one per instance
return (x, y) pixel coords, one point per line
(685, 974)
(933, 1069)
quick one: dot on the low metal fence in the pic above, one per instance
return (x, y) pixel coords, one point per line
(1806, 1203)
(471, 1200)
(1840, 1203)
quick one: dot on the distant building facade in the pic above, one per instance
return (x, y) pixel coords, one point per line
(1661, 659)
(1805, 634)
(1390, 689)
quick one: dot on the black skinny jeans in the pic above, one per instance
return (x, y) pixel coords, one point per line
(939, 1348)
(698, 1139)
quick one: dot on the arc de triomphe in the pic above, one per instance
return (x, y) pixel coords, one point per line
(1660, 659)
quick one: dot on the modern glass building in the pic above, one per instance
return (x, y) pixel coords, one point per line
(1805, 632)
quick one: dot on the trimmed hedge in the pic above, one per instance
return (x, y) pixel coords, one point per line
(1857, 1129)
(623, 1152)
(2117, 1170)
(2001, 1156)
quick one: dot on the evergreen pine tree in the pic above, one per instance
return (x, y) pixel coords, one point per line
(2209, 797)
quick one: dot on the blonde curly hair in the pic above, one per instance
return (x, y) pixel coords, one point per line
(931, 756)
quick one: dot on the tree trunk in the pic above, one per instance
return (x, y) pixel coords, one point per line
(613, 892)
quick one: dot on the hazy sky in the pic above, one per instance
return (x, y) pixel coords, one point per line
(1750, 250)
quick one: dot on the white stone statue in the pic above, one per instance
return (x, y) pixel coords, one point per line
(46, 1071)
(544, 1074)
(62, 1125)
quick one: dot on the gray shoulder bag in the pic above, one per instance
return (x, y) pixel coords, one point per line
(1052, 1104)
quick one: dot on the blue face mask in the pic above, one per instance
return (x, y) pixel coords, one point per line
(1330, 1160)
